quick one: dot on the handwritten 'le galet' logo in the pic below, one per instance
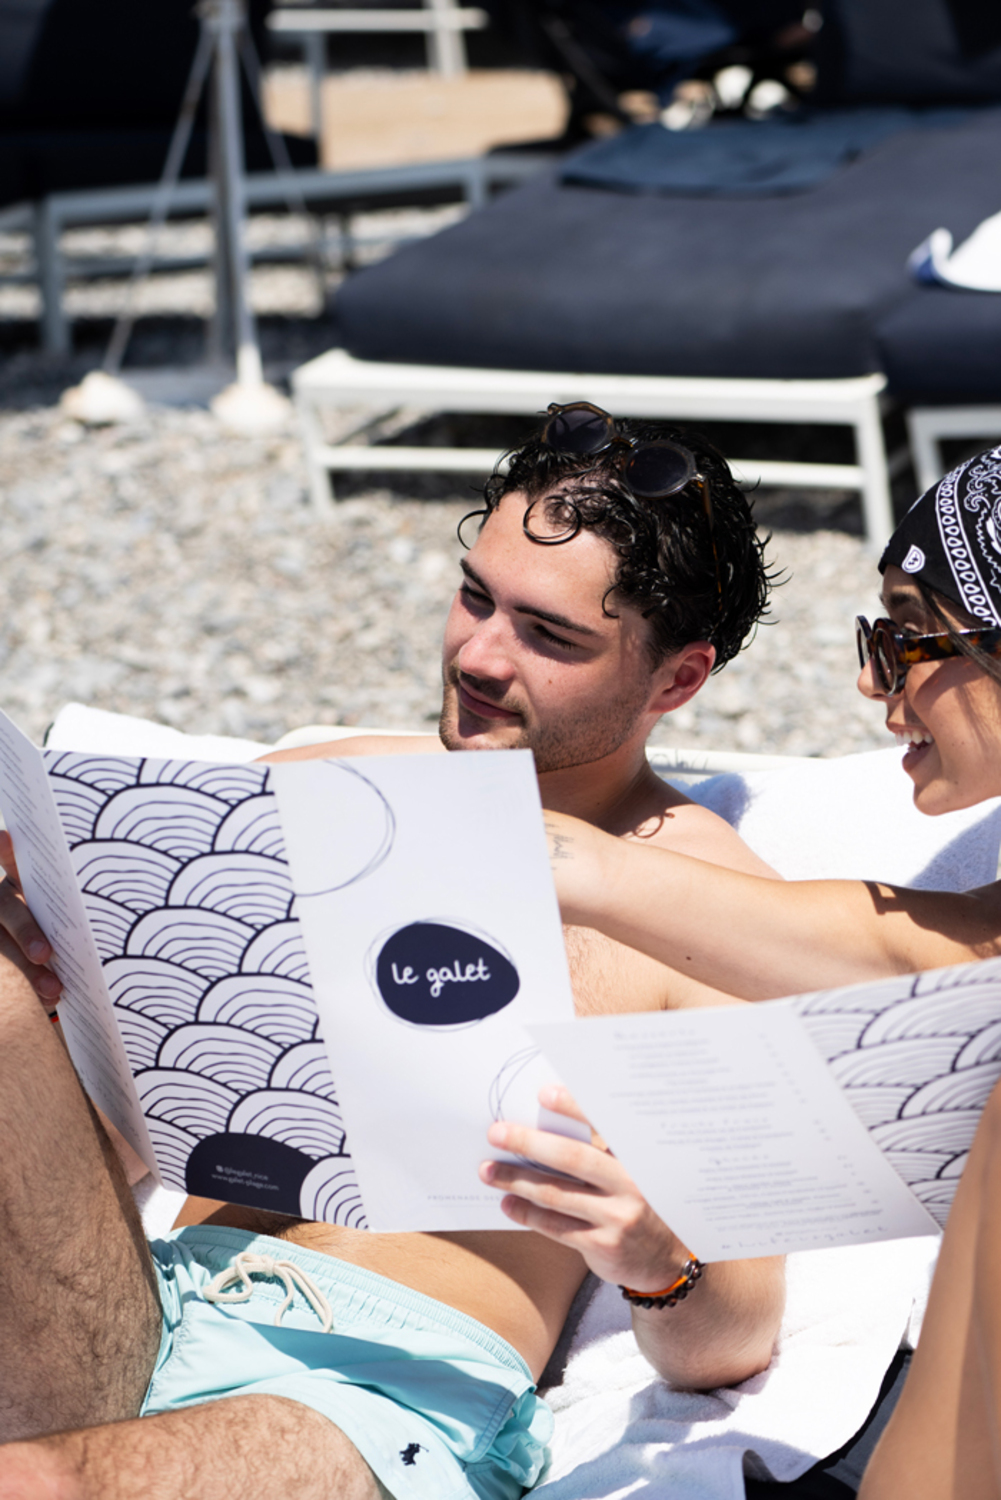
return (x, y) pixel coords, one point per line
(440, 974)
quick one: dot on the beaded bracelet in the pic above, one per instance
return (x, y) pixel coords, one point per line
(672, 1295)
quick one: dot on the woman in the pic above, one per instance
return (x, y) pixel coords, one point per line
(935, 664)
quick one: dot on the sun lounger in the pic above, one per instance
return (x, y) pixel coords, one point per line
(619, 1428)
(798, 291)
(703, 304)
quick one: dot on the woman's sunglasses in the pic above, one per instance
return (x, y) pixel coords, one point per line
(651, 469)
(893, 652)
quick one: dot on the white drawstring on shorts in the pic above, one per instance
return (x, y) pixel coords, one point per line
(247, 1264)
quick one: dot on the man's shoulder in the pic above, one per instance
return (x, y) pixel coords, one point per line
(686, 828)
(361, 744)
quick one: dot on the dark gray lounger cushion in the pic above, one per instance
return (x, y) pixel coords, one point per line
(943, 344)
(570, 278)
(755, 158)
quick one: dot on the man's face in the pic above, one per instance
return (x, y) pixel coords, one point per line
(530, 659)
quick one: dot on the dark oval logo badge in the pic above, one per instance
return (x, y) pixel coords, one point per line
(253, 1170)
(434, 974)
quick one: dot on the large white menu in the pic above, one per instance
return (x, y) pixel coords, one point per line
(833, 1118)
(233, 938)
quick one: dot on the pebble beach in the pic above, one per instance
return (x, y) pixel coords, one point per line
(170, 569)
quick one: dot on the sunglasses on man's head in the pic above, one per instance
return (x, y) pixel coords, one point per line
(650, 468)
(893, 652)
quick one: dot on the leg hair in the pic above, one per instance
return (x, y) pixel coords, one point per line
(240, 1448)
(79, 1315)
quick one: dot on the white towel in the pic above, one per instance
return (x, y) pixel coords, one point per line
(975, 264)
(847, 818)
(854, 818)
(77, 727)
(621, 1431)
(159, 1206)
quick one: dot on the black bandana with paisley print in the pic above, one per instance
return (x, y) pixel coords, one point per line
(950, 538)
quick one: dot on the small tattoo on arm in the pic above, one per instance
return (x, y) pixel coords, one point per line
(559, 843)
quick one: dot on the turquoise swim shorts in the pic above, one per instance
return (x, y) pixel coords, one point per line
(440, 1407)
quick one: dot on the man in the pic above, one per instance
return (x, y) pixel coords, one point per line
(585, 613)
(600, 593)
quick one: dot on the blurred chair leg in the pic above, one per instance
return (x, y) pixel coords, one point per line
(446, 44)
(48, 260)
(314, 46)
(321, 487)
(877, 507)
(928, 425)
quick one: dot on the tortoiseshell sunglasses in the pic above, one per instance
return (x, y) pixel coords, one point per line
(653, 469)
(893, 652)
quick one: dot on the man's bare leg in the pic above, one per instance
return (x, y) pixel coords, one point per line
(244, 1446)
(79, 1315)
(942, 1440)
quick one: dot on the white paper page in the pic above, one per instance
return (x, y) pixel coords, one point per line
(732, 1125)
(184, 879)
(51, 890)
(406, 867)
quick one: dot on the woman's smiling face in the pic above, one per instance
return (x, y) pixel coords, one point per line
(948, 713)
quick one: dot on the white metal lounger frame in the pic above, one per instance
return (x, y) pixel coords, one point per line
(337, 380)
(441, 21)
(928, 425)
(475, 177)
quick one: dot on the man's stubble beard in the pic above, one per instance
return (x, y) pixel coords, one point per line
(577, 739)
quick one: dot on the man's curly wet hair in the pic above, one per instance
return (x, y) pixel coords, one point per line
(667, 568)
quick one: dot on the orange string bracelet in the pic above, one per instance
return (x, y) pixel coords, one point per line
(672, 1295)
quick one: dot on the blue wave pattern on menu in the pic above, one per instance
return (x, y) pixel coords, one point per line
(186, 883)
(916, 1066)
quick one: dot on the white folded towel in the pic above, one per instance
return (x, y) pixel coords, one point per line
(621, 1431)
(975, 264)
(854, 818)
(95, 730)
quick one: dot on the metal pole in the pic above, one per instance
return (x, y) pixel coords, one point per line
(49, 263)
(445, 44)
(221, 338)
(161, 204)
(315, 48)
(225, 18)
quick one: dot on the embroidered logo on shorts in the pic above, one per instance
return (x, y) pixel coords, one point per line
(410, 1452)
(914, 561)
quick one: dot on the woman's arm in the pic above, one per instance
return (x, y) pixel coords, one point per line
(757, 938)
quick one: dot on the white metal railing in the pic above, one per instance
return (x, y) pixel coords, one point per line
(442, 22)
